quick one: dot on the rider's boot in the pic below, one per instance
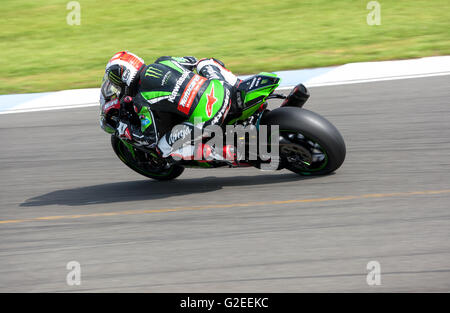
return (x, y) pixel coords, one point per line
(128, 131)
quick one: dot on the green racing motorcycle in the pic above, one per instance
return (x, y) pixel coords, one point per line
(308, 143)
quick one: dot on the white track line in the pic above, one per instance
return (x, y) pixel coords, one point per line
(360, 81)
(52, 108)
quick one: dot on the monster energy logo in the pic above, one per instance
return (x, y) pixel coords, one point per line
(153, 72)
(114, 78)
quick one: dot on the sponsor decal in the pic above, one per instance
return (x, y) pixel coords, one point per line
(114, 104)
(165, 78)
(126, 75)
(224, 108)
(211, 100)
(179, 132)
(178, 84)
(153, 72)
(145, 121)
(114, 78)
(190, 92)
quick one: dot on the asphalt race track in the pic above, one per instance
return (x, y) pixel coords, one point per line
(64, 196)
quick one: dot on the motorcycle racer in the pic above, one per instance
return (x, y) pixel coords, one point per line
(166, 93)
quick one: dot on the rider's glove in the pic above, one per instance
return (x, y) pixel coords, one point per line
(188, 62)
(125, 105)
(191, 60)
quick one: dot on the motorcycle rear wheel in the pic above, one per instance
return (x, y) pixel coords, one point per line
(310, 144)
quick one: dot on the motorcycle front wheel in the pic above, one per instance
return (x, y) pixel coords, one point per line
(143, 163)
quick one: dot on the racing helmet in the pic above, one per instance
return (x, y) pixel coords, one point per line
(122, 68)
(121, 71)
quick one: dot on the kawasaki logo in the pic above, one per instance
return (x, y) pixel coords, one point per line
(178, 84)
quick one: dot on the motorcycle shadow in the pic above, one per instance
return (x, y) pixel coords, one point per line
(144, 190)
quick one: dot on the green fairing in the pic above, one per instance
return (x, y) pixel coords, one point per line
(262, 93)
(268, 74)
(145, 117)
(200, 110)
(154, 94)
(246, 114)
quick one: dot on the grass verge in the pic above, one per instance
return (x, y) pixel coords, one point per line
(41, 52)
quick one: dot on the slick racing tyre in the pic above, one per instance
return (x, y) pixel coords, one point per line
(143, 163)
(309, 144)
